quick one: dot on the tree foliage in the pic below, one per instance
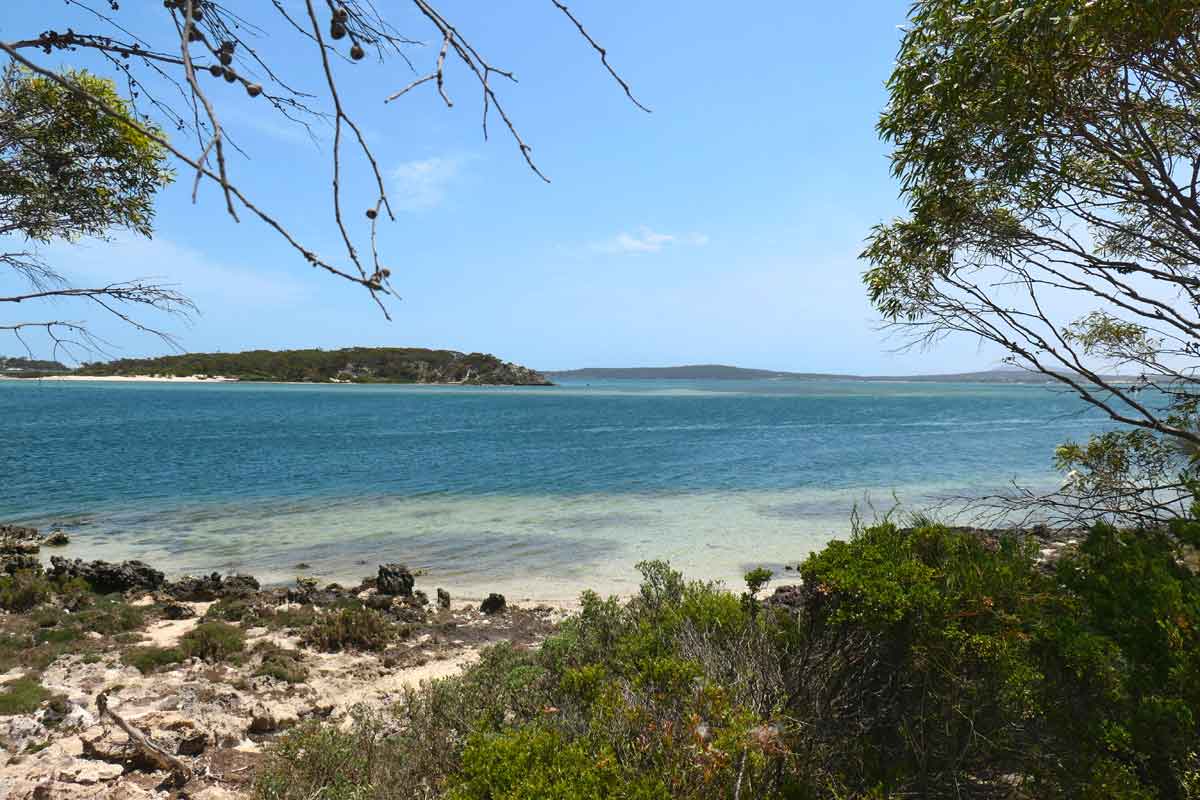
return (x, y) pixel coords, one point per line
(1049, 154)
(67, 169)
(355, 364)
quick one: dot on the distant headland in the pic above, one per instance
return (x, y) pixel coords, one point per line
(349, 365)
(709, 372)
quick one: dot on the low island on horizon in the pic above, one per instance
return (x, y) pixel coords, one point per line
(417, 365)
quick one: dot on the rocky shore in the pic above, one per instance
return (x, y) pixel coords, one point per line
(118, 683)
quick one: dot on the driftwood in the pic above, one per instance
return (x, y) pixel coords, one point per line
(153, 752)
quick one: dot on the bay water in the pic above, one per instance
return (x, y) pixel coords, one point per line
(535, 492)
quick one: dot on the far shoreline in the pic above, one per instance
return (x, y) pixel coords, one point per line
(224, 379)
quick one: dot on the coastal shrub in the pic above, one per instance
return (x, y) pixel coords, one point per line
(283, 665)
(350, 629)
(920, 661)
(231, 609)
(108, 615)
(541, 763)
(57, 635)
(24, 590)
(964, 661)
(314, 760)
(214, 641)
(292, 618)
(22, 696)
(151, 659)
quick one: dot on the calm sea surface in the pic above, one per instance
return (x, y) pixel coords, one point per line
(536, 492)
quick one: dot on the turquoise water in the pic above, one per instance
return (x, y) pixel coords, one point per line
(536, 492)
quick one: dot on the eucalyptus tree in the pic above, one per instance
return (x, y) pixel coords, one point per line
(174, 75)
(69, 170)
(1049, 155)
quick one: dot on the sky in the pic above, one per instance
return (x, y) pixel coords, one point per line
(723, 227)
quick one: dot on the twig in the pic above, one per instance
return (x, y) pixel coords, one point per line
(156, 754)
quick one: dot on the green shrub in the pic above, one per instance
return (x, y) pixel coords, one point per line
(314, 760)
(214, 641)
(22, 696)
(24, 591)
(230, 610)
(283, 665)
(288, 619)
(541, 763)
(57, 635)
(917, 662)
(151, 659)
(109, 616)
(756, 579)
(350, 629)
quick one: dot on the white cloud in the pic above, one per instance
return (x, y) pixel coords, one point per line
(423, 184)
(649, 241)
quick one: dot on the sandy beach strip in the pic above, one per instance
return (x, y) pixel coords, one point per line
(129, 378)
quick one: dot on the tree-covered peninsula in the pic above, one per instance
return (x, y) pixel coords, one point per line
(352, 364)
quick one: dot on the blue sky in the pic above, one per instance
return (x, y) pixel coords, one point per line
(723, 227)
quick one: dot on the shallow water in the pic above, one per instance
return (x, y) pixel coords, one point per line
(535, 492)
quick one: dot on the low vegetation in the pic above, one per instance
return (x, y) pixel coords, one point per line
(23, 591)
(282, 665)
(350, 629)
(214, 641)
(919, 661)
(22, 696)
(152, 659)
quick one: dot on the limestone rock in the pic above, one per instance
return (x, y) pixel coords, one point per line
(107, 577)
(395, 579)
(192, 744)
(89, 773)
(16, 540)
(493, 604)
(206, 588)
(56, 539)
(178, 611)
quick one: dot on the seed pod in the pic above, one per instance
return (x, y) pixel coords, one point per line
(341, 15)
(216, 70)
(357, 53)
(230, 76)
(372, 213)
(253, 89)
(225, 58)
(195, 36)
(337, 30)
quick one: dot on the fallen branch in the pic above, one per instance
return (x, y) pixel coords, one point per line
(153, 752)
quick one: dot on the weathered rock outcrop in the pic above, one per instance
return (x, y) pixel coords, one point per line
(205, 588)
(493, 604)
(106, 577)
(395, 579)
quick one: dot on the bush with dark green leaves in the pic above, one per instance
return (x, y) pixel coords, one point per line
(920, 661)
(24, 590)
(214, 641)
(351, 628)
(22, 696)
(151, 659)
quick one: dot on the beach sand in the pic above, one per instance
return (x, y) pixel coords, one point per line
(129, 378)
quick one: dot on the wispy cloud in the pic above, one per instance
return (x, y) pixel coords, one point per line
(423, 184)
(649, 241)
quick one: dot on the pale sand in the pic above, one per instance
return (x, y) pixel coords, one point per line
(128, 378)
